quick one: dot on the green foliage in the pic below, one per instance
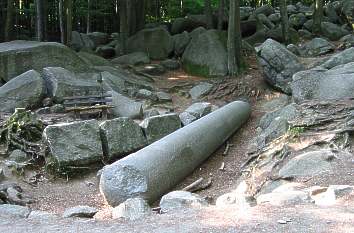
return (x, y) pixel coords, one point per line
(296, 131)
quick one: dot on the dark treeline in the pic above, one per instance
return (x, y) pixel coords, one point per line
(18, 17)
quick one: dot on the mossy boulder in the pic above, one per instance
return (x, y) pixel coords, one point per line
(206, 55)
(18, 57)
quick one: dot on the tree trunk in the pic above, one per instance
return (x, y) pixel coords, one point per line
(234, 40)
(9, 26)
(61, 22)
(39, 20)
(231, 40)
(123, 23)
(221, 14)
(140, 15)
(88, 23)
(208, 13)
(317, 17)
(69, 20)
(131, 17)
(284, 21)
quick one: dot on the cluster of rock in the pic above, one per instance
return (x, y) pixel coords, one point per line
(89, 142)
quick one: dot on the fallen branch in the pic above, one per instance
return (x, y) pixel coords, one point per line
(198, 185)
(226, 151)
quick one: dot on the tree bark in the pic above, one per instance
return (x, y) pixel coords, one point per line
(39, 20)
(317, 17)
(9, 26)
(88, 20)
(221, 14)
(284, 21)
(61, 22)
(208, 13)
(123, 23)
(69, 21)
(234, 40)
(231, 40)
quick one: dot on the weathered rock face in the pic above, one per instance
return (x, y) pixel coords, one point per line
(157, 127)
(347, 41)
(332, 31)
(136, 58)
(63, 83)
(206, 55)
(265, 9)
(276, 34)
(70, 146)
(180, 42)
(156, 42)
(308, 164)
(81, 41)
(316, 47)
(14, 211)
(93, 59)
(25, 91)
(341, 58)
(20, 56)
(181, 199)
(98, 38)
(199, 109)
(278, 64)
(126, 107)
(200, 90)
(120, 137)
(336, 83)
(297, 20)
(132, 209)
(105, 51)
(188, 24)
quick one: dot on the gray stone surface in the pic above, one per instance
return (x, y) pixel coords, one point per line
(199, 109)
(156, 42)
(163, 97)
(98, 38)
(200, 90)
(284, 198)
(187, 118)
(14, 211)
(287, 112)
(341, 58)
(18, 156)
(81, 41)
(42, 216)
(177, 155)
(135, 58)
(278, 64)
(25, 91)
(126, 107)
(80, 212)
(297, 20)
(93, 59)
(71, 145)
(316, 47)
(332, 195)
(157, 127)
(347, 41)
(332, 31)
(188, 23)
(308, 164)
(206, 55)
(132, 209)
(181, 41)
(120, 137)
(275, 18)
(20, 56)
(64, 83)
(105, 51)
(336, 83)
(177, 200)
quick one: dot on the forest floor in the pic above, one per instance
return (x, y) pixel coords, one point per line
(57, 195)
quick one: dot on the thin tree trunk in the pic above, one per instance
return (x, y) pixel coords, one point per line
(238, 35)
(39, 20)
(140, 15)
(231, 40)
(61, 22)
(9, 26)
(317, 17)
(69, 21)
(123, 23)
(284, 21)
(88, 20)
(208, 13)
(221, 14)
